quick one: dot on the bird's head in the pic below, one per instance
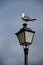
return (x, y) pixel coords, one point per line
(22, 14)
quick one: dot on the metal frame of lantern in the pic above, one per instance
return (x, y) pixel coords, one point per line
(23, 33)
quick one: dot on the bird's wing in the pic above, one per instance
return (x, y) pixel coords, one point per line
(27, 17)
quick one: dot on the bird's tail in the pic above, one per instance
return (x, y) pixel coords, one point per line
(33, 19)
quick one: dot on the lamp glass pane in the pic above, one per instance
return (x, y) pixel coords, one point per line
(29, 36)
(21, 37)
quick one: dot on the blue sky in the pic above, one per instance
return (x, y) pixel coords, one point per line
(10, 22)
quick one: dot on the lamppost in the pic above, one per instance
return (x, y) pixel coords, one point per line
(25, 36)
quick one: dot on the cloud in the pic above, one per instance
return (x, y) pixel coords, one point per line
(10, 22)
(10, 61)
(1, 26)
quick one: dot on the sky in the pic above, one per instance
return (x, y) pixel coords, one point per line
(11, 53)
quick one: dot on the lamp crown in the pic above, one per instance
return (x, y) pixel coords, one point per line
(24, 25)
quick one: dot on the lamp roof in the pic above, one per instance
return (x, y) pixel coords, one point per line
(25, 28)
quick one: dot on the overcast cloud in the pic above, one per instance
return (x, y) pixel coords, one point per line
(10, 22)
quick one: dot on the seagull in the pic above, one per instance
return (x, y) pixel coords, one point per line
(26, 18)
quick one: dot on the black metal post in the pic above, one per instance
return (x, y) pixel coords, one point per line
(26, 56)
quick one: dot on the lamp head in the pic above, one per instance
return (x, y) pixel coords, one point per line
(25, 35)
